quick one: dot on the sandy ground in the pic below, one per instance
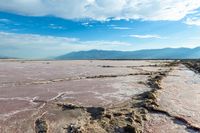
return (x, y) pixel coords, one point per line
(96, 96)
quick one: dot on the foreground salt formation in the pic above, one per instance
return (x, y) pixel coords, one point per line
(97, 96)
(178, 103)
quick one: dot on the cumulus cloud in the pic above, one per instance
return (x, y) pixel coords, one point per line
(103, 9)
(146, 36)
(38, 46)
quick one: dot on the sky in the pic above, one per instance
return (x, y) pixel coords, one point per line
(50, 28)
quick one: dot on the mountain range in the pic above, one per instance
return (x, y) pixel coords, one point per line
(4, 57)
(166, 53)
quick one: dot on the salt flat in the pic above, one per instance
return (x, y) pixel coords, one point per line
(30, 90)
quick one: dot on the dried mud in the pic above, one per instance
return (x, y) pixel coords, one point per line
(119, 110)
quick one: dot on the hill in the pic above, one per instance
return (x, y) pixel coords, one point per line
(166, 53)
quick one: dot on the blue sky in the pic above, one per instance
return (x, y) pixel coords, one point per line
(48, 28)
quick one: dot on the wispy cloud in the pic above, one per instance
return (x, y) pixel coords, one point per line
(116, 27)
(104, 9)
(146, 36)
(38, 46)
(87, 24)
(193, 19)
(57, 27)
(121, 28)
(5, 20)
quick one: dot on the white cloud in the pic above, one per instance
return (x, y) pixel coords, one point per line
(193, 19)
(103, 9)
(37, 46)
(146, 36)
(86, 24)
(3, 20)
(121, 28)
(57, 27)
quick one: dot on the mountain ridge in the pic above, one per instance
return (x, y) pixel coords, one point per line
(165, 53)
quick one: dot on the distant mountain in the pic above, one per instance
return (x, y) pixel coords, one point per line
(166, 53)
(7, 57)
(3, 57)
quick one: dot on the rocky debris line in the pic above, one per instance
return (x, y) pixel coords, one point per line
(114, 76)
(73, 128)
(121, 119)
(192, 64)
(153, 65)
(127, 117)
(69, 106)
(74, 78)
(150, 99)
(41, 126)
